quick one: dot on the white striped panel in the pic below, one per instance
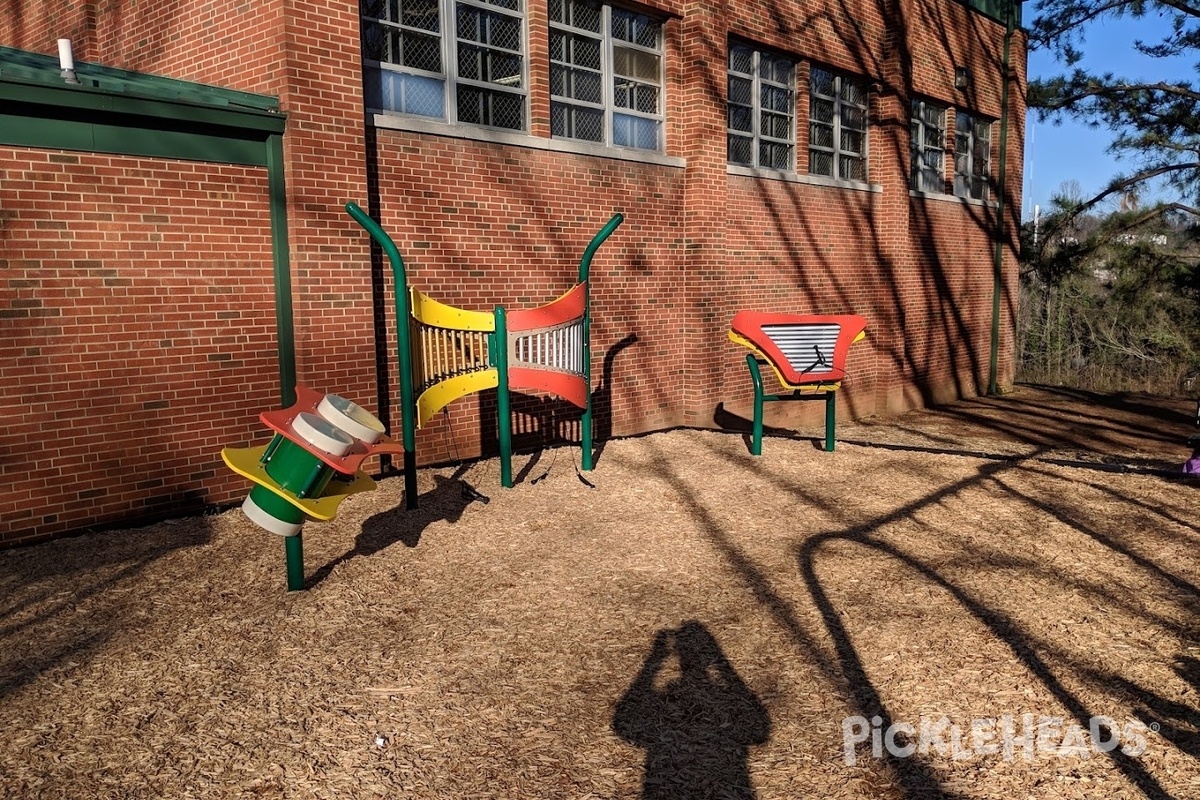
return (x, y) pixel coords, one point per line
(807, 347)
(559, 348)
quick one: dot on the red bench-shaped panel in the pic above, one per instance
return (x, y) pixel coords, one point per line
(804, 349)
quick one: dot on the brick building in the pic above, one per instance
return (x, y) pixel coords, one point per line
(174, 253)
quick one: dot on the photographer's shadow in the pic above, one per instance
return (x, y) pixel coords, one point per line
(697, 725)
(447, 500)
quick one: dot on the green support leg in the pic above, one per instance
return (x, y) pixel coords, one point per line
(503, 411)
(756, 434)
(294, 546)
(830, 419)
(585, 430)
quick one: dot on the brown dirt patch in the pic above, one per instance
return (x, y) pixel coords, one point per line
(699, 624)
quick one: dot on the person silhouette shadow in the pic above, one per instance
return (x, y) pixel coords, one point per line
(697, 729)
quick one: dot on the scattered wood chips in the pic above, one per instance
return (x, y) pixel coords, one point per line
(702, 623)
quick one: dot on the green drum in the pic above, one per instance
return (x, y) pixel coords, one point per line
(296, 467)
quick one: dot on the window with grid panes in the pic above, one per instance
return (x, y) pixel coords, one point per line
(761, 109)
(837, 125)
(928, 126)
(972, 155)
(451, 60)
(606, 75)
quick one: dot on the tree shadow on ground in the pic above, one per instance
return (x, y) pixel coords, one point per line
(694, 716)
(36, 608)
(726, 420)
(447, 501)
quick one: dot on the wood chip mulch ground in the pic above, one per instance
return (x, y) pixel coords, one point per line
(961, 605)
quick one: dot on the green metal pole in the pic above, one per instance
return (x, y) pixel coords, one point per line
(585, 422)
(294, 545)
(503, 412)
(281, 261)
(830, 419)
(756, 433)
(408, 402)
(998, 256)
(586, 458)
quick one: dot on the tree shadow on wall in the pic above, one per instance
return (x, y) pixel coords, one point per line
(696, 726)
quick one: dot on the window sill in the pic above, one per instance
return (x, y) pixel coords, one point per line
(796, 177)
(515, 139)
(941, 197)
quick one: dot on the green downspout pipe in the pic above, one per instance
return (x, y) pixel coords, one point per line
(998, 259)
(284, 323)
(281, 257)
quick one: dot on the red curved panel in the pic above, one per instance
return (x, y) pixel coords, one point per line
(571, 388)
(754, 326)
(566, 308)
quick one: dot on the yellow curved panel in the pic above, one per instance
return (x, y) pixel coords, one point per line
(247, 463)
(808, 387)
(431, 312)
(442, 394)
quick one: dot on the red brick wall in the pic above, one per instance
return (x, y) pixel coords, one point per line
(479, 224)
(137, 332)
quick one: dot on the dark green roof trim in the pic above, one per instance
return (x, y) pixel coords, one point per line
(115, 111)
(27, 67)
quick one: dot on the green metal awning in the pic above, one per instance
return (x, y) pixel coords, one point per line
(130, 113)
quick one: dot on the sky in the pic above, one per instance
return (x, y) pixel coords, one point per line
(1071, 151)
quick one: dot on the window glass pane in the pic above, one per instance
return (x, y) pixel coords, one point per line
(777, 126)
(741, 118)
(488, 107)
(576, 13)
(821, 110)
(820, 163)
(820, 135)
(635, 132)
(575, 122)
(854, 118)
(853, 92)
(821, 82)
(631, 27)
(421, 14)
(408, 94)
(740, 90)
(741, 60)
(741, 150)
(635, 64)
(420, 52)
(498, 30)
(853, 169)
